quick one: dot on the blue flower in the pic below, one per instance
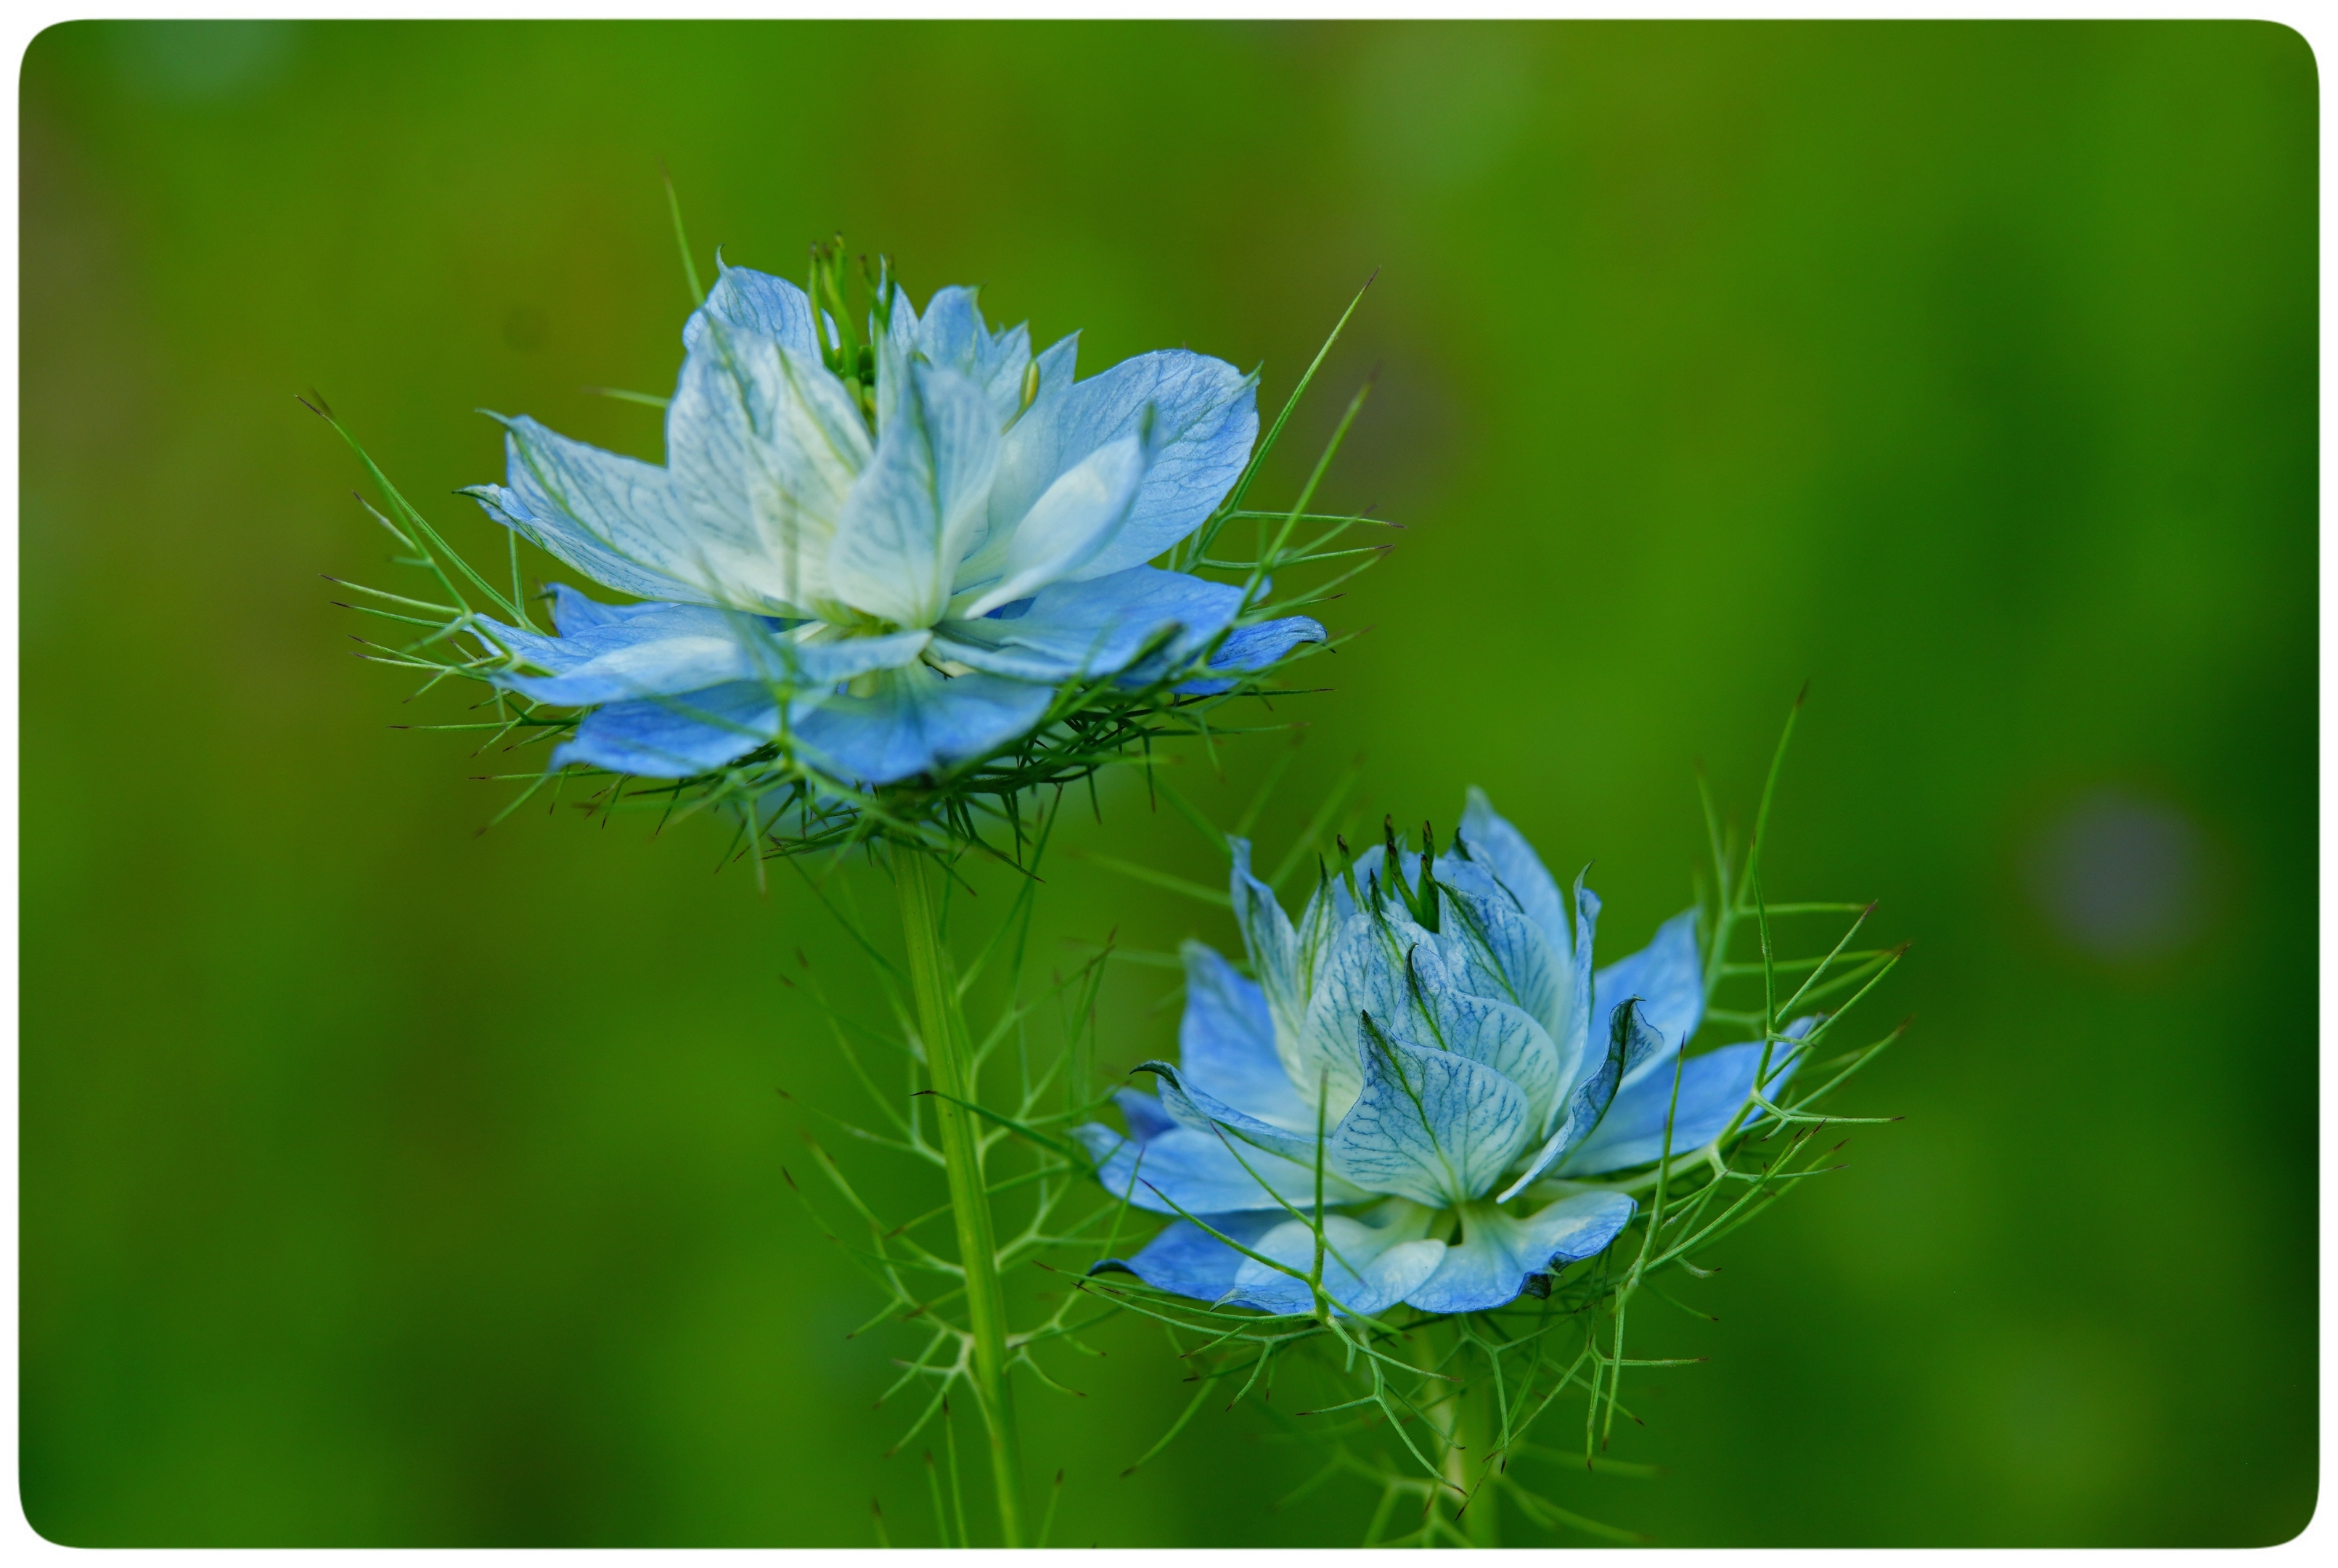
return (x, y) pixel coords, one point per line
(892, 577)
(1437, 1030)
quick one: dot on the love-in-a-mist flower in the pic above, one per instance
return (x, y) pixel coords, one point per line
(888, 571)
(1431, 1038)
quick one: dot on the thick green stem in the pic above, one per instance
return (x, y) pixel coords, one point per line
(1475, 1433)
(949, 1062)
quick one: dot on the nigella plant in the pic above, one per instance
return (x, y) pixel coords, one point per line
(1422, 1129)
(1432, 1037)
(899, 580)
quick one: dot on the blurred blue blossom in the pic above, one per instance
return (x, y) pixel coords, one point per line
(892, 569)
(1434, 1029)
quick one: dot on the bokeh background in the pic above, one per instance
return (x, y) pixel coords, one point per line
(382, 1183)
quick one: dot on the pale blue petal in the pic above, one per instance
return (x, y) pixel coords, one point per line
(951, 334)
(1579, 1039)
(1712, 1087)
(1251, 649)
(664, 650)
(1496, 952)
(1146, 1118)
(758, 302)
(919, 721)
(764, 443)
(1489, 1263)
(1272, 947)
(1203, 417)
(1630, 1043)
(1428, 1125)
(1065, 529)
(1502, 1037)
(1668, 977)
(1362, 972)
(1201, 1173)
(911, 514)
(1191, 1105)
(1503, 850)
(573, 611)
(676, 736)
(1079, 630)
(618, 521)
(1370, 1262)
(1187, 1260)
(1225, 1041)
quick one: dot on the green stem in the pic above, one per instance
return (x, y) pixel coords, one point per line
(1475, 1430)
(949, 1063)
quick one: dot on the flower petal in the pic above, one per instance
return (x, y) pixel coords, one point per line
(1146, 1118)
(1248, 650)
(910, 515)
(1504, 852)
(758, 302)
(1202, 417)
(1369, 1262)
(765, 444)
(676, 736)
(1496, 1254)
(1225, 1041)
(952, 335)
(1712, 1087)
(1064, 531)
(1668, 977)
(664, 650)
(1201, 1173)
(1428, 1125)
(1189, 1261)
(573, 611)
(918, 721)
(1630, 1042)
(1494, 950)
(619, 521)
(1191, 1105)
(1078, 630)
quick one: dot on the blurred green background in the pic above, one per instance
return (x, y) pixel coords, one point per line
(386, 1184)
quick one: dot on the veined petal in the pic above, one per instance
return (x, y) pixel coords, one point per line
(573, 611)
(1630, 1043)
(1273, 950)
(758, 302)
(1079, 630)
(911, 513)
(1370, 1262)
(1362, 972)
(1504, 852)
(676, 736)
(1065, 527)
(918, 721)
(952, 335)
(1489, 1263)
(1197, 415)
(1251, 649)
(1225, 1042)
(1146, 1118)
(1579, 1037)
(1496, 952)
(1712, 1087)
(1191, 1105)
(765, 444)
(617, 520)
(1668, 977)
(1188, 1260)
(1203, 1173)
(662, 650)
(1428, 1125)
